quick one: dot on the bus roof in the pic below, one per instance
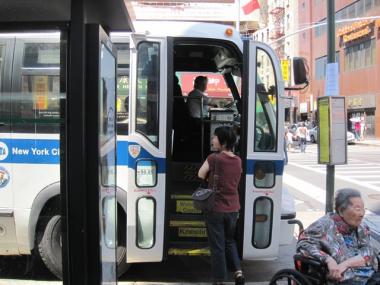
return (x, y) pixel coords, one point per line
(187, 29)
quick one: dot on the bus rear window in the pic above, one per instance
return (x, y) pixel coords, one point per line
(37, 55)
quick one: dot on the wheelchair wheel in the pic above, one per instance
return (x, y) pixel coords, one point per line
(289, 277)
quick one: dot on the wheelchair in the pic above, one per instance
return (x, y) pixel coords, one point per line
(308, 270)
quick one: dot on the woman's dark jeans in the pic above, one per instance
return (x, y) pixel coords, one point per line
(221, 229)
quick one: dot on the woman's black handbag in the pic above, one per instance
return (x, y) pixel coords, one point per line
(204, 198)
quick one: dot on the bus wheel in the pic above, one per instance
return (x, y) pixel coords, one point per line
(121, 252)
(50, 246)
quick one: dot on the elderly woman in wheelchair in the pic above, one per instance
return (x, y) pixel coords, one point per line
(336, 248)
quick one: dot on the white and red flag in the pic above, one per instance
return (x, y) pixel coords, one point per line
(250, 6)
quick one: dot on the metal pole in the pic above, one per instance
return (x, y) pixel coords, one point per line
(330, 169)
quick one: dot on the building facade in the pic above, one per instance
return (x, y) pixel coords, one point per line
(280, 32)
(357, 40)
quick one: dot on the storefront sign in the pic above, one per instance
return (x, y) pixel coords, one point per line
(361, 101)
(355, 31)
(356, 35)
(353, 27)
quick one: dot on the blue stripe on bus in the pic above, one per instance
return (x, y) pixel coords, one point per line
(278, 164)
(34, 151)
(46, 151)
(124, 157)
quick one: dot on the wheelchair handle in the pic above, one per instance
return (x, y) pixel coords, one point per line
(296, 222)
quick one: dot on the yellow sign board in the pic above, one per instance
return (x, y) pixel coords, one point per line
(324, 130)
(356, 35)
(186, 207)
(192, 232)
(285, 63)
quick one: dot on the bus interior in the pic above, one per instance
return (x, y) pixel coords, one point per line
(191, 137)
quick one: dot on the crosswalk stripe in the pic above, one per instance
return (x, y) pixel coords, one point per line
(358, 171)
(306, 188)
(374, 182)
(337, 175)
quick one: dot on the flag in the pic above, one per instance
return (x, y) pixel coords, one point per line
(251, 6)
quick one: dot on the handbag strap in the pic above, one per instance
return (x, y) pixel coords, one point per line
(215, 179)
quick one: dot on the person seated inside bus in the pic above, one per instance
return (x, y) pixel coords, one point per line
(342, 241)
(197, 100)
(180, 111)
(180, 122)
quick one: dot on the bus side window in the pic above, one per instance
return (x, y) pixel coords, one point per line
(36, 107)
(122, 103)
(266, 104)
(147, 105)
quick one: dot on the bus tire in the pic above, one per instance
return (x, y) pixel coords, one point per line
(121, 252)
(121, 259)
(50, 249)
(50, 246)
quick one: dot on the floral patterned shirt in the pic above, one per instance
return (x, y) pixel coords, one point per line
(331, 236)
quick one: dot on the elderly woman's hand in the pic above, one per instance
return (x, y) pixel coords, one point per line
(335, 271)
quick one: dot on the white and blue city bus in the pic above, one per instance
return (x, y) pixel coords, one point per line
(159, 149)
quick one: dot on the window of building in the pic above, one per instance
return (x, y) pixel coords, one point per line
(321, 28)
(368, 4)
(359, 7)
(320, 66)
(360, 55)
(356, 9)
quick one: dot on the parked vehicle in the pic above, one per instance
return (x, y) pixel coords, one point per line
(314, 136)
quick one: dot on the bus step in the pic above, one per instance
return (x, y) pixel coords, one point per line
(187, 228)
(186, 220)
(189, 249)
(182, 204)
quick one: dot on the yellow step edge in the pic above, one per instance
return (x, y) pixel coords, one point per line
(189, 251)
(198, 224)
(180, 196)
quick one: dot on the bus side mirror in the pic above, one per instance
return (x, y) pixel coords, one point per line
(299, 69)
(300, 74)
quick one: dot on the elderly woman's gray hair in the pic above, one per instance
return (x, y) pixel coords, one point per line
(342, 198)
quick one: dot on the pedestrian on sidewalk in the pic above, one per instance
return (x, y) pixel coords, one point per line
(289, 138)
(357, 130)
(342, 241)
(302, 133)
(362, 129)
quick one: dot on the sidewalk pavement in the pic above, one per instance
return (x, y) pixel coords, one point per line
(372, 219)
(372, 142)
(260, 272)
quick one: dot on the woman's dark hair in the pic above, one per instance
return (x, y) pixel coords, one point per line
(225, 136)
(342, 198)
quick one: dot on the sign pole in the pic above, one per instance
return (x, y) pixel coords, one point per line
(330, 169)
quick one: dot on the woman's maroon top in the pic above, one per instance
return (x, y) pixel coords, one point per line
(229, 171)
